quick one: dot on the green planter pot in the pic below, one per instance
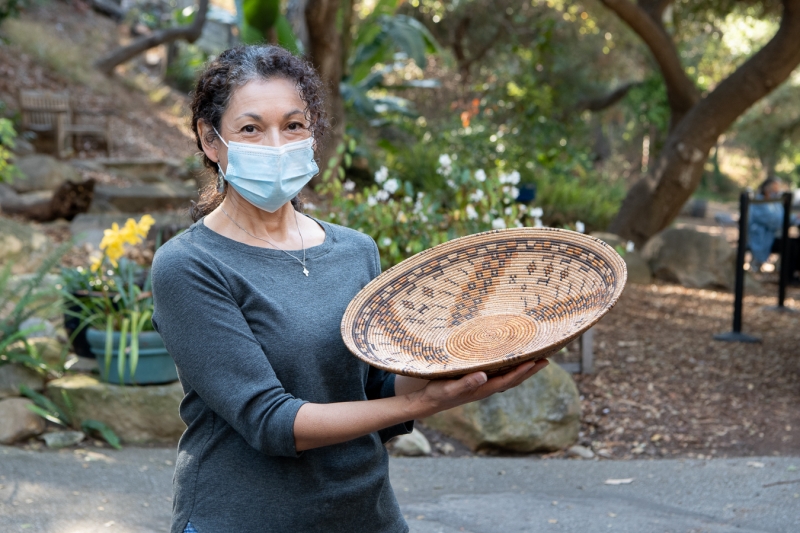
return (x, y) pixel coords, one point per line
(155, 364)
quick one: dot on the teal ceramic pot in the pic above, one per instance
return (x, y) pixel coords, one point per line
(155, 364)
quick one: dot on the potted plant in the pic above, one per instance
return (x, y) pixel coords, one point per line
(116, 311)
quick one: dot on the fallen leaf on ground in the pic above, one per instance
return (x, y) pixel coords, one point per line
(625, 481)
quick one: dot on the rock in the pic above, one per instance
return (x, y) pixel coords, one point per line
(695, 208)
(23, 147)
(88, 228)
(63, 439)
(13, 375)
(412, 445)
(51, 351)
(691, 258)
(22, 246)
(68, 200)
(638, 270)
(17, 422)
(542, 414)
(43, 173)
(146, 198)
(31, 205)
(40, 327)
(138, 415)
(580, 451)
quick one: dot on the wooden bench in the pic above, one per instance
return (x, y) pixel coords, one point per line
(52, 113)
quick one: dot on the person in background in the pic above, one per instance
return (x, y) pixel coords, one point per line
(765, 224)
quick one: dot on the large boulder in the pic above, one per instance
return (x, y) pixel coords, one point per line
(22, 246)
(138, 415)
(542, 414)
(17, 422)
(691, 258)
(43, 173)
(12, 376)
(638, 269)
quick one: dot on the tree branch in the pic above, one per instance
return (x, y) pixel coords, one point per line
(188, 33)
(459, 50)
(646, 22)
(753, 80)
(604, 102)
(654, 201)
(108, 8)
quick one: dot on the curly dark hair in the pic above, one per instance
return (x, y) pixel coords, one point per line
(232, 69)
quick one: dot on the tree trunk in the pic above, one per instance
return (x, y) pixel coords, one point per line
(188, 33)
(325, 53)
(654, 201)
(296, 15)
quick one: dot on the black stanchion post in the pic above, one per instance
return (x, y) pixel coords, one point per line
(785, 263)
(784, 274)
(736, 335)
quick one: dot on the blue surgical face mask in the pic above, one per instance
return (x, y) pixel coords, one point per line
(269, 176)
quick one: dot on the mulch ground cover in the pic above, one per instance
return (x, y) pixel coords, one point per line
(663, 387)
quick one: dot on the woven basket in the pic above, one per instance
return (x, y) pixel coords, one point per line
(488, 301)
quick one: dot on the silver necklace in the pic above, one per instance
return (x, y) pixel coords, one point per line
(303, 262)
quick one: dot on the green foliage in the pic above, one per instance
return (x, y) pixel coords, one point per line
(8, 136)
(184, 68)
(404, 220)
(120, 298)
(258, 18)
(50, 411)
(384, 36)
(386, 45)
(22, 298)
(261, 15)
(11, 8)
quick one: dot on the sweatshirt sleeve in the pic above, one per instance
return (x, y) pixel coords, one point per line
(380, 384)
(217, 354)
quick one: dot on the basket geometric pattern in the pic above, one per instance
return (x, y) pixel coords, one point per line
(488, 301)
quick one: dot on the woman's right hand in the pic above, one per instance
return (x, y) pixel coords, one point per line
(440, 395)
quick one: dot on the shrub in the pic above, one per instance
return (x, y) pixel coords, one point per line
(404, 220)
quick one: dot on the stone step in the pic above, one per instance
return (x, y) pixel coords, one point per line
(144, 169)
(146, 197)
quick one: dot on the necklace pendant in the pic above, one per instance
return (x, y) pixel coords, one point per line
(305, 271)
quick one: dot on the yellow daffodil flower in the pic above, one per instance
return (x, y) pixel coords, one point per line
(145, 223)
(115, 239)
(96, 263)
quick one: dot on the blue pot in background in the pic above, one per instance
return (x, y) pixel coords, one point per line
(155, 364)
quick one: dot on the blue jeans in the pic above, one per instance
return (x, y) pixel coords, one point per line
(189, 528)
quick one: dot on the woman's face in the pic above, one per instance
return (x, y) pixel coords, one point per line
(266, 112)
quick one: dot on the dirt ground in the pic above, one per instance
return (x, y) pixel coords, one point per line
(148, 119)
(663, 387)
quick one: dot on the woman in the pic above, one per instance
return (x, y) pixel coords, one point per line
(285, 428)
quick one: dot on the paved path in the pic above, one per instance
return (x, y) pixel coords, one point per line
(93, 491)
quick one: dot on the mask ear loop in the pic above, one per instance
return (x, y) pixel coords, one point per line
(220, 173)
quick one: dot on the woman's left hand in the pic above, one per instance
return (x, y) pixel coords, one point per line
(445, 394)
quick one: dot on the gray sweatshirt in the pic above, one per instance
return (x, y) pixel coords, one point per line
(253, 340)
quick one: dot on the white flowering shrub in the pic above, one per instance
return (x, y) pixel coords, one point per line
(404, 221)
